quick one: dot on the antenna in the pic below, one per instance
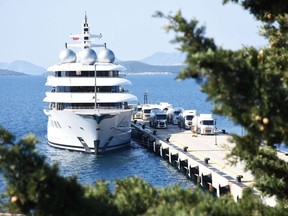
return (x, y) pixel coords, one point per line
(85, 36)
(146, 97)
(85, 17)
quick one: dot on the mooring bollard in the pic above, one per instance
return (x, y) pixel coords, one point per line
(185, 148)
(238, 178)
(206, 160)
(168, 138)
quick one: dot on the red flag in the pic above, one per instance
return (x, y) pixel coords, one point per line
(75, 38)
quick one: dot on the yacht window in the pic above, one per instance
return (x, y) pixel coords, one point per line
(58, 73)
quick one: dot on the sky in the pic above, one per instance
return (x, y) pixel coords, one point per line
(36, 31)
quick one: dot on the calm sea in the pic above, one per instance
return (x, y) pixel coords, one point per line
(21, 112)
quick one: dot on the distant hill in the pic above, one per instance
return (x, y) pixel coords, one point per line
(158, 62)
(23, 67)
(136, 67)
(161, 58)
(9, 72)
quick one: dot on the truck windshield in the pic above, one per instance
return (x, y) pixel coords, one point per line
(189, 118)
(208, 122)
(176, 112)
(161, 117)
(147, 110)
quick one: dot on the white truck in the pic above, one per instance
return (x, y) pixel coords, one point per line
(203, 124)
(173, 115)
(146, 109)
(186, 118)
(137, 113)
(158, 118)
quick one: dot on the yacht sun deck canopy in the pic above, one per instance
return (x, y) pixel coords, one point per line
(88, 97)
(86, 81)
(81, 67)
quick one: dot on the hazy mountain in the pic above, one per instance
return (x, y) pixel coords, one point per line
(161, 58)
(158, 62)
(136, 67)
(9, 72)
(23, 67)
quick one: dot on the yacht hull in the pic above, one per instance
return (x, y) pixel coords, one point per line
(96, 131)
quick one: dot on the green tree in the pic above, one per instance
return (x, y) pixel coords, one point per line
(248, 85)
(33, 186)
(36, 188)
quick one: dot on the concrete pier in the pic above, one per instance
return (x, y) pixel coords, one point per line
(201, 157)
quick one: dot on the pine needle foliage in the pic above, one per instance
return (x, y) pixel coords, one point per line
(34, 187)
(249, 85)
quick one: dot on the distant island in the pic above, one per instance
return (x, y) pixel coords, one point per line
(158, 63)
(9, 72)
(136, 67)
(132, 67)
(23, 67)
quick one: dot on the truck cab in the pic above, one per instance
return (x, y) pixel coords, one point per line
(137, 113)
(173, 115)
(158, 118)
(146, 109)
(203, 124)
(186, 118)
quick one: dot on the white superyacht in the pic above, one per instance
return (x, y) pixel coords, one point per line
(88, 106)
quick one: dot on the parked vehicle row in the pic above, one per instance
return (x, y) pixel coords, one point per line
(160, 115)
(143, 111)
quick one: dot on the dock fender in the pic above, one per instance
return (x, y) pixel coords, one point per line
(173, 157)
(156, 148)
(193, 171)
(207, 180)
(164, 152)
(183, 164)
(225, 190)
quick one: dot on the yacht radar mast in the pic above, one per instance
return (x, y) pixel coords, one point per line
(86, 37)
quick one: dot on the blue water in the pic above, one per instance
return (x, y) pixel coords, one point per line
(21, 112)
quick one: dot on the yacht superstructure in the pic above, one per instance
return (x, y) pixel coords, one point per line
(88, 107)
